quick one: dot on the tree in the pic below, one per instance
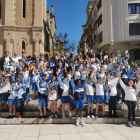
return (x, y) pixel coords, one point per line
(57, 47)
(63, 44)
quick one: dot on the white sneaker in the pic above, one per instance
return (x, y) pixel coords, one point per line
(56, 116)
(51, 116)
(129, 124)
(64, 116)
(134, 123)
(70, 116)
(82, 123)
(92, 116)
(88, 117)
(77, 122)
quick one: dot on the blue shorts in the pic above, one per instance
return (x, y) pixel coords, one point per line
(119, 86)
(42, 102)
(11, 102)
(100, 97)
(27, 97)
(34, 87)
(5, 99)
(54, 100)
(65, 99)
(0, 100)
(90, 99)
(79, 103)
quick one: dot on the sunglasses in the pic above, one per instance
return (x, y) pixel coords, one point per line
(16, 54)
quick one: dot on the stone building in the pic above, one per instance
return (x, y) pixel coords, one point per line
(113, 25)
(22, 26)
(50, 29)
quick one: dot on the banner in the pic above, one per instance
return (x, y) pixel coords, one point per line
(4, 85)
(113, 82)
(52, 91)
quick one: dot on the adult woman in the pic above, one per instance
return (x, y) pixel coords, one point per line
(130, 96)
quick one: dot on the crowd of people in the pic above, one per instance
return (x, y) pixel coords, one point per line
(72, 78)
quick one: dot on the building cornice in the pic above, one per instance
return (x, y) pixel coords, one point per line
(21, 29)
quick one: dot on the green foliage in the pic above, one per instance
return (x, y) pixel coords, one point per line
(57, 47)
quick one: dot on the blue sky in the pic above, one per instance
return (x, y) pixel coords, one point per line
(70, 16)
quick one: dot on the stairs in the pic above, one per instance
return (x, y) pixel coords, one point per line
(32, 116)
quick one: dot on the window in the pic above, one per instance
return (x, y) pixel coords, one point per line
(23, 45)
(24, 4)
(134, 8)
(94, 37)
(99, 5)
(137, 54)
(134, 29)
(129, 9)
(0, 9)
(100, 37)
(99, 20)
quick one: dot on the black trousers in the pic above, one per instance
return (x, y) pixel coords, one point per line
(20, 106)
(112, 105)
(47, 101)
(131, 109)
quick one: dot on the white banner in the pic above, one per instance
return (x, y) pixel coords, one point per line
(52, 91)
(4, 85)
(113, 82)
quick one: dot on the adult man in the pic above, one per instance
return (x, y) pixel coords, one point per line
(5, 59)
(16, 58)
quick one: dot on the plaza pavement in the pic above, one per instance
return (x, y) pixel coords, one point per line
(69, 132)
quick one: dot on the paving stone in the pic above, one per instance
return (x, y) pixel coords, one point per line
(110, 120)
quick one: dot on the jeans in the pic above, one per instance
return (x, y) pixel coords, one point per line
(20, 106)
(131, 109)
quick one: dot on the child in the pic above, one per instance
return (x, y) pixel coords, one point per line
(112, 101)
(42, 92)
(34, 76)
(77, 74)
(20, 99)
(26, 87)
(65, 94)
(79, 96)
(90, 96)
(12, 100)
(53, 88)
(5, 99)
(83, 73)
(99, 96)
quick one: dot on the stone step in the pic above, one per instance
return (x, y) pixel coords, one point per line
(26, 121)
(33, 114)
(33, 106)
(35, 103)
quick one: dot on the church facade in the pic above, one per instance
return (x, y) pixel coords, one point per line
(22, 26)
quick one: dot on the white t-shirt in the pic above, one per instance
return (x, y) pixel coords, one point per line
(99, 88)
(66, 90)
(89, 89)
(7, 59)
(83, 75)
(105, 67)
(69, 76)
(77, 75)
(15, 59)
(113, 91)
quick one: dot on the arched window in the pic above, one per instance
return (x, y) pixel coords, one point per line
(24, 5)
(23, 45)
